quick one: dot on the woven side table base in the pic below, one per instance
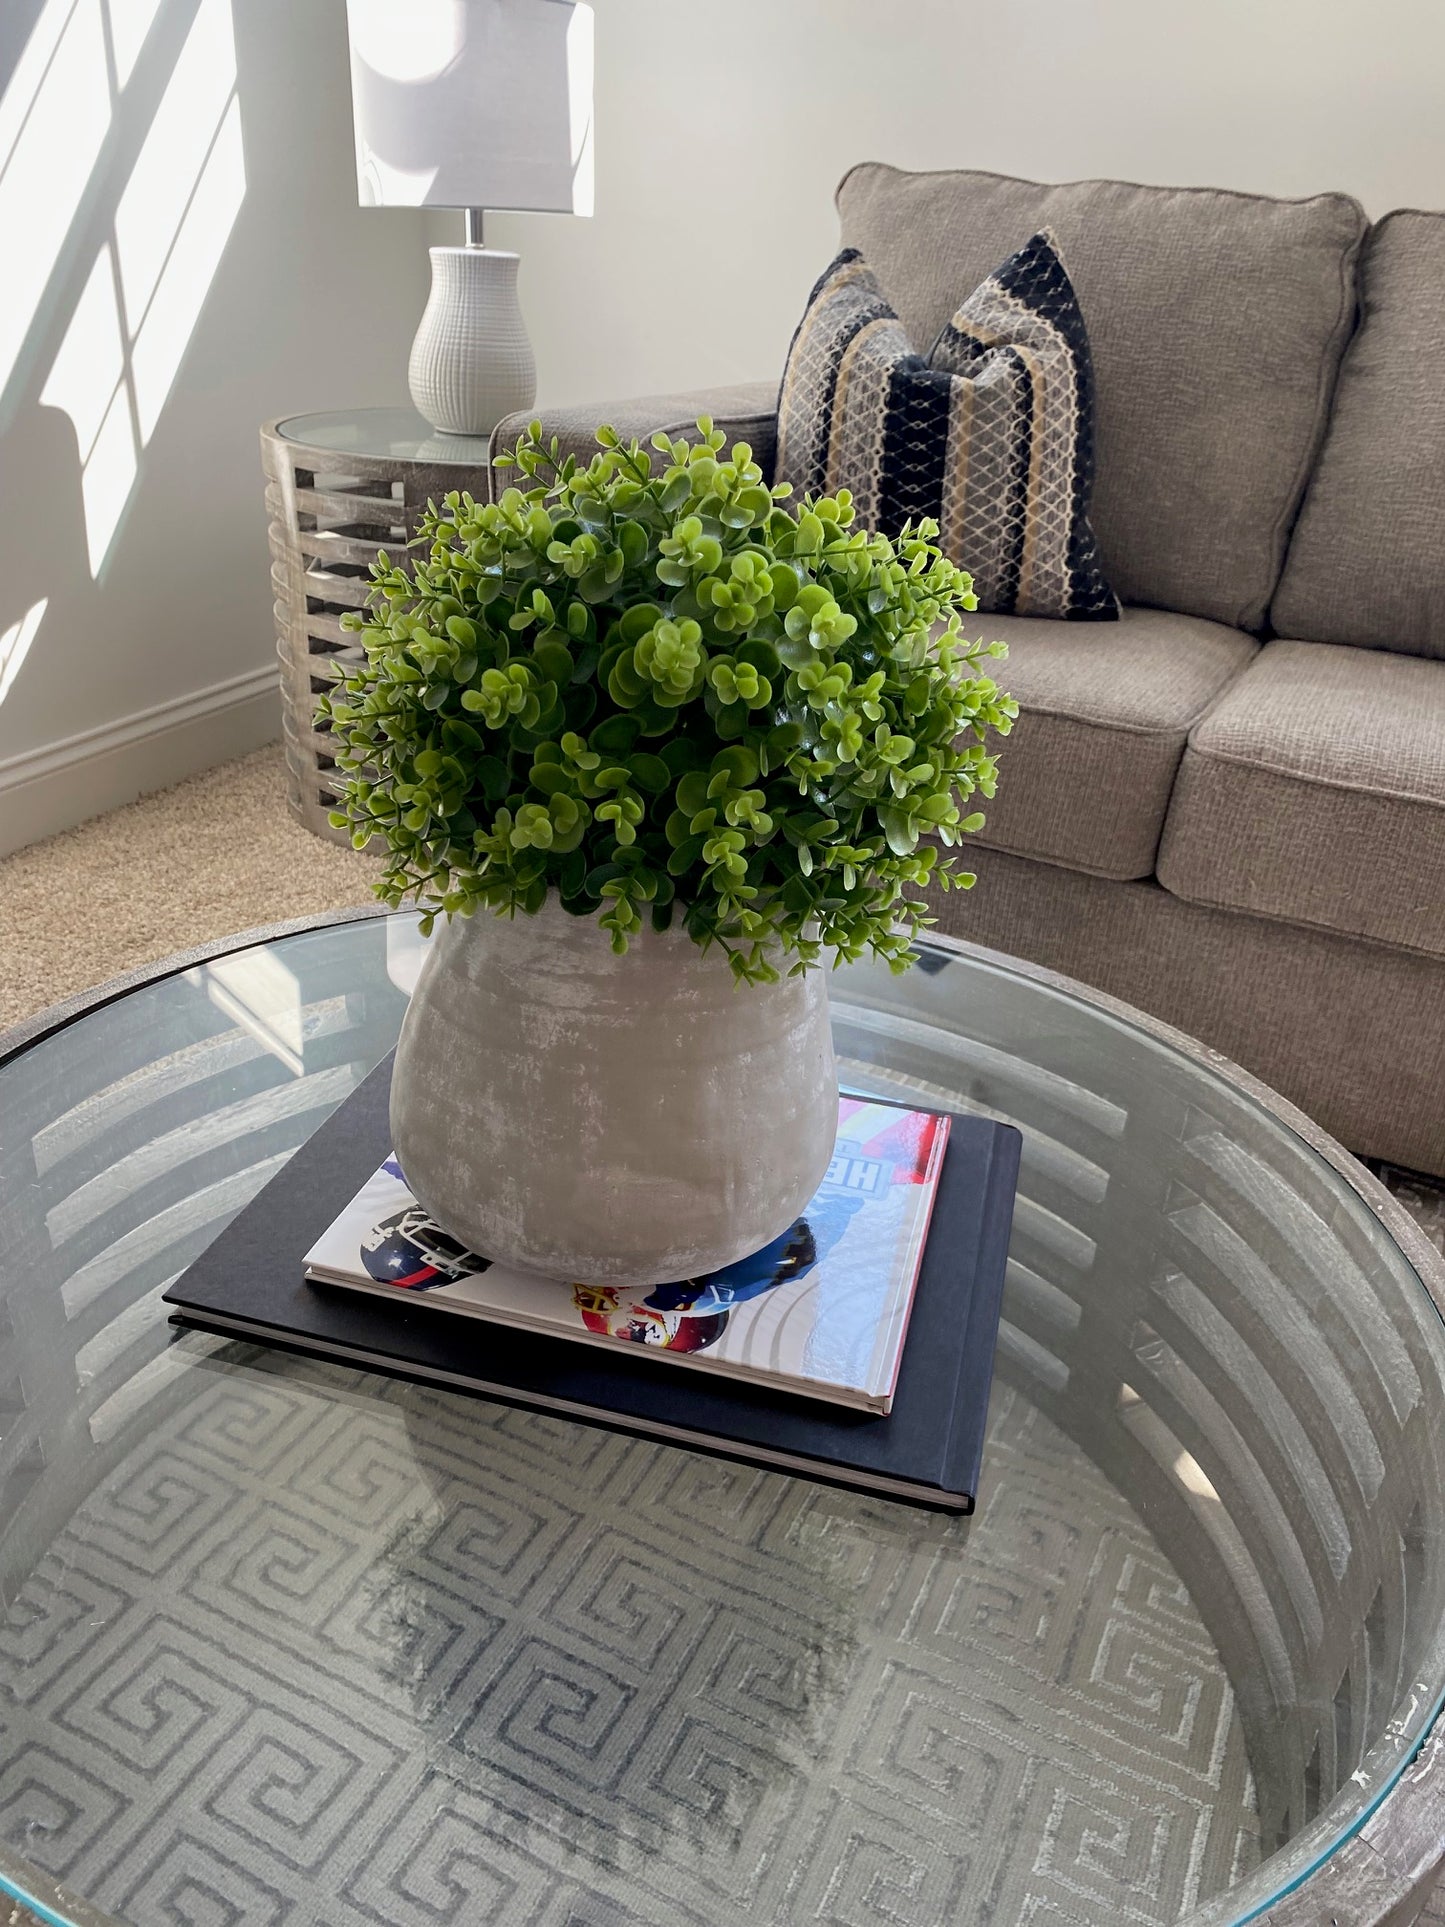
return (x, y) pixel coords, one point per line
(330, 511)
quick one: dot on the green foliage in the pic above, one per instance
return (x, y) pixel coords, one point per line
(659, 692)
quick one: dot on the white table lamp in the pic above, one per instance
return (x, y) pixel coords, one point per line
(472, 104)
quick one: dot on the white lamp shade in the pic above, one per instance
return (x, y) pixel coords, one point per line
(473, 103)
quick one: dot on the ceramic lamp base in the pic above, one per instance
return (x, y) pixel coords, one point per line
(471, 362)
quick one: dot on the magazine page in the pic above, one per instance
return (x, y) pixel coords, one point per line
(823, 1308)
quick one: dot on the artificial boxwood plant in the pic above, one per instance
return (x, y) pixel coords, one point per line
(652, 687)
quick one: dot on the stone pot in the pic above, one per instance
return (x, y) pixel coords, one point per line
(614, 1120)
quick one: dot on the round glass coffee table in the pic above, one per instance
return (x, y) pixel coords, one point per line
(288, 1642)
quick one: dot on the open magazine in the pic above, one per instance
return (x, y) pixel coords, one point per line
(822, 1310)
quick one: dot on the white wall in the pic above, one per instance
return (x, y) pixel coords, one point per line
(303, 313)
(723, 127)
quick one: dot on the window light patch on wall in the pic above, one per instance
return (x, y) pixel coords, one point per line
(86, 381)
(153, 202)
(54, 118)
(15, 645)
(119, 357)
(130, 22)
(171, 318)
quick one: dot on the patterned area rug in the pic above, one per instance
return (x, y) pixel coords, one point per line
(330, 1651)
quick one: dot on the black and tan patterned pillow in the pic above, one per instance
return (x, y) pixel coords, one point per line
(992, 435)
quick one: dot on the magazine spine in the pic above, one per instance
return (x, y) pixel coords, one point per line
(888, 1346)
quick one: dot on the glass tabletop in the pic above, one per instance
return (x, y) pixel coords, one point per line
(399, 434)
(290, 1642)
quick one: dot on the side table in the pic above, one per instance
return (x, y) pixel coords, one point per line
(339, 486)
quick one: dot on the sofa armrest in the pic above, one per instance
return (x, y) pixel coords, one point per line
(747, 412)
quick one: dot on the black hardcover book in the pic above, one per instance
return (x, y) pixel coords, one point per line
(927, 1450)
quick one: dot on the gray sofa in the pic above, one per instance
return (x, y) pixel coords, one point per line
(1229, 807)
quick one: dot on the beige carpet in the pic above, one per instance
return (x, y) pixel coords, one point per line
(216, 854)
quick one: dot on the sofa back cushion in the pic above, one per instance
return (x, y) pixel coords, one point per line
(1216, 320)
(1366, 563)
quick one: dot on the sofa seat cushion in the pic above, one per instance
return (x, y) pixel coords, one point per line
(1216, 323)
(1105, 710)
(1314, 791)
(1366, 562)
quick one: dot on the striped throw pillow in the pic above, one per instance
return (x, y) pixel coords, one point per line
(991, 434)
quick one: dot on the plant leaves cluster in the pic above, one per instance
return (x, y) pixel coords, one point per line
(652, 687)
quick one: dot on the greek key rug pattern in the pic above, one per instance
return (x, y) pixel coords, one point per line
(325, 1649)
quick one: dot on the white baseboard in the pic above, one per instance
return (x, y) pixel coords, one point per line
(55, 787)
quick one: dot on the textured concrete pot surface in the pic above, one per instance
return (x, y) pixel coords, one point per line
(618, 1120)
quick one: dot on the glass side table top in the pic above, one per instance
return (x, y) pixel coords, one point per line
(399, 434)
(289, 1642)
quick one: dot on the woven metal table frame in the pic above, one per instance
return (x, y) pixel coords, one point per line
(1305, 1696)
(329, 514)
(1381, 1873)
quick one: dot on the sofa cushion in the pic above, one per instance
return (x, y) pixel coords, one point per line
(991, 435)
(1216, 322)
(1366, 563)
(1104, 713)
(1314, 791)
